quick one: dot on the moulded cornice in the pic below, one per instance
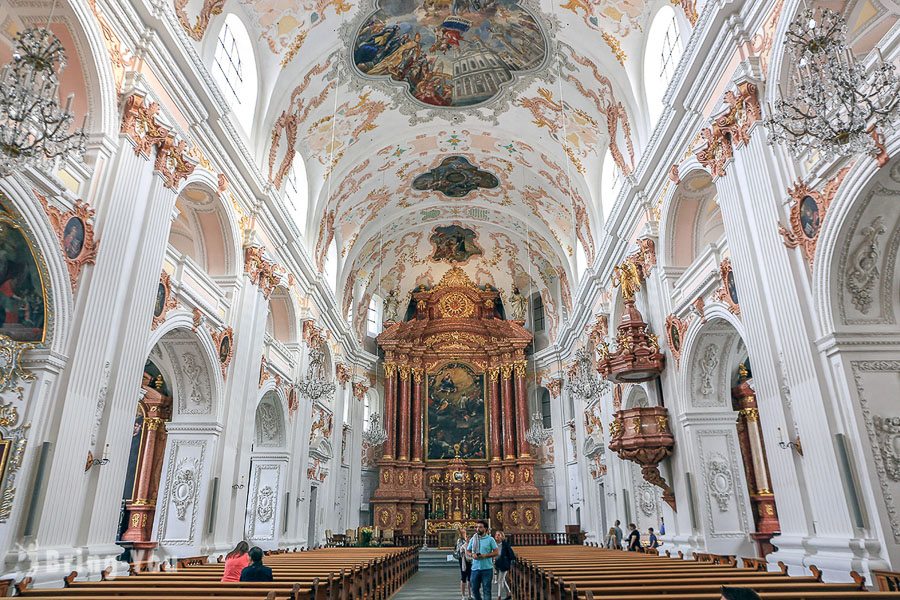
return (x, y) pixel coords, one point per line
(44, 359)
(173, 428)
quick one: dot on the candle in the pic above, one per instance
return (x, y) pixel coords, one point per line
(780, 437)
(106, 452)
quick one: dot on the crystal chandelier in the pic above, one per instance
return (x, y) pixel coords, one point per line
(34, 129)
(315, 385)
(374, 435)
(536, 434)
(835, 107)
(584, 382)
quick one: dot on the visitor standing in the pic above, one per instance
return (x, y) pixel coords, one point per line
(610, 541)
(503, 563)
(654, 543)
(256, 571)
(465, 564)
(618, 531)
(236, 561)
(634, 538)
(482, 549)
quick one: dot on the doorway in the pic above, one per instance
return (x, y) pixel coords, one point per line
(311, 528)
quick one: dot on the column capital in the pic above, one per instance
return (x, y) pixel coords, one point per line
(390, 369)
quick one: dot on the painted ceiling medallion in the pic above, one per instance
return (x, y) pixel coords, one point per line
(455, 177)
(449, 53)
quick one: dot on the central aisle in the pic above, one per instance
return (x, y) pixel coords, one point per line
(429, 581)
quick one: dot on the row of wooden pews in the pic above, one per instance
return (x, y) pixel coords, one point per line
(320, 574)
(588, 572)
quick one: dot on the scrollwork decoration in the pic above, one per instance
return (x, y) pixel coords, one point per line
(265, 504)
(185, 485)
(718, 480)
(887, 432)
(864, 266)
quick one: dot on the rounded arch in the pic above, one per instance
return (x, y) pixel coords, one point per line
(854, 270)
(637, 397)
(191, 362)
(18, 198)
(205, 230)
(281, 322)
(691, 220)
(269, 422)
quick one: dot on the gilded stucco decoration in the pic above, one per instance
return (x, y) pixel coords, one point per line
(197, 30)
(729, 130)
(12, 450)
(165, 300)
(224, 342)
(75, 230)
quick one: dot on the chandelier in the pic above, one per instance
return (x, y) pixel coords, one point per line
(537, 435)
(583, 381)
(835, 107)
(315, 385)
(374, 435)
(34, 129)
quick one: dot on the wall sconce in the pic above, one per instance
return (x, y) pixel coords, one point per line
(300, 499)
(238, 486)
(796, 445)
(99, 462)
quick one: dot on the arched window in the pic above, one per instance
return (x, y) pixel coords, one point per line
(545, 408)
(347, 409)
(234, 70)
(537, 312)
(372, 325)
(610, 184)
(367, 411)
(296, 192)
(661, 58)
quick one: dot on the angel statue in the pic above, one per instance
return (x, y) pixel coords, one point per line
(519, 305)
(391, 307)
(628, 277)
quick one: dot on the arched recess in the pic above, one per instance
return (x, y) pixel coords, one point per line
(281, 322)
(855, 283)
(178, 455)
(637, 397)
(205, 231)
(268, 470)
(708, 446)
(692, 221)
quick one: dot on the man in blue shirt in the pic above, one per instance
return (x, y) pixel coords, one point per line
(482, 549)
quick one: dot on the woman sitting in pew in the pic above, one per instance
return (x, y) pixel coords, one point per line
(235, 562)
(256, 571)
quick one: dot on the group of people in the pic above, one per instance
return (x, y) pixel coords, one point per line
(480, 556)
(245, 564)
(633, 542)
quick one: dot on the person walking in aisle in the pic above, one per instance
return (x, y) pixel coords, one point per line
(236, 561)
(634, 538)
(610, 541)
(465, 564)
(618, 531)
(503, 563)
(482, 549)
(654, 543)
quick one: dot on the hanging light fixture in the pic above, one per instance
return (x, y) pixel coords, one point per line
(537, 435)
(583, 381)
(34, 129)
(374, 434)
(835, 107)
(315, 385)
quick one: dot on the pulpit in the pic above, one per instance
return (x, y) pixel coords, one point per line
(456, 413)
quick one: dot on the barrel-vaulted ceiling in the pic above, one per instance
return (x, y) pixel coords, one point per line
(441, 132)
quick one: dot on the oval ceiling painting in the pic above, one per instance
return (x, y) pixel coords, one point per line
(449, 53)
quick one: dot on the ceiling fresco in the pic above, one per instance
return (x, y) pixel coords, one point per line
(450, 53)
(441, 132)
(455, 177)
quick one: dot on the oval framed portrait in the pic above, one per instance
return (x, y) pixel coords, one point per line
(73, 237)
(224, 349)
(810, 217)
(732, 286)
(675, 337)
(160, 306)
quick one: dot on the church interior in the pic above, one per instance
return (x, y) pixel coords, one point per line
(349, 283)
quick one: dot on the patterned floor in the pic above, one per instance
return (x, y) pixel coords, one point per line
(440, 584)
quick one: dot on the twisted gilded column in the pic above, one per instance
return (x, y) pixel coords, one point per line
(390, 386)
(494, 399)
(509, 444)
(418, 382)
(521, 408)
(403, 416)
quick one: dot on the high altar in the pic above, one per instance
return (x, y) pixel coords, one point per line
(456, 413)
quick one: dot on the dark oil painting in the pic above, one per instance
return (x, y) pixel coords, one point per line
(21, 290)
(810, 219)
(73, 237)
(455, 177)
(454, 244)
(456, 413)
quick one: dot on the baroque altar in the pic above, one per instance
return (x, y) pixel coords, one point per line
(456, 413)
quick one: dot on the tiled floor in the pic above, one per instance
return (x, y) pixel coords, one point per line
(436, 584)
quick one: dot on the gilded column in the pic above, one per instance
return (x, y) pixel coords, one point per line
(418, 383)
(521, 408)
(403, 416)
(509, 444)
(494, 399)
(390, 385)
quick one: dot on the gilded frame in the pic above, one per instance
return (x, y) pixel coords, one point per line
(87, 255)
(487, 423)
